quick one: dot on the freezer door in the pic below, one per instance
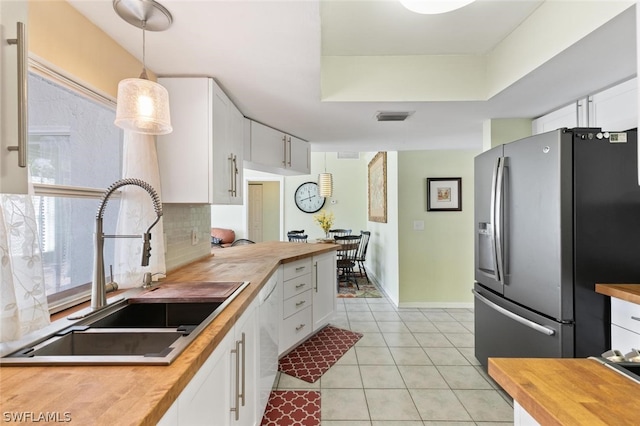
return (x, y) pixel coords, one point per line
(504, 329)
(486, 176)
(538, 224)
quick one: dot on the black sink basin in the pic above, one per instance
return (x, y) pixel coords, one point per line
(109, 343)
(131, 331)
(156, 315)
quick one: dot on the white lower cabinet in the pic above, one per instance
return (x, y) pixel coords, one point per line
(325, 287)
(224, 390)
(244, 364)
(309, 297)
(625, 325)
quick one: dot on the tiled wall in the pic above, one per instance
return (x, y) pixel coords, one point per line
(179, 220)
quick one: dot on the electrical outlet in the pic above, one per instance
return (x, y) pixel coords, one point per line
(194, 236)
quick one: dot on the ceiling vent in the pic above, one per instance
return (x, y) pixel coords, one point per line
(393, 115)
(349, 155)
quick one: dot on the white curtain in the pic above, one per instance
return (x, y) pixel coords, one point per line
(23, 301)
(140, 161)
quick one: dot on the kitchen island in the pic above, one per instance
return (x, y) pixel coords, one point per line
(568, 391)
(140, 395)
(572, 391)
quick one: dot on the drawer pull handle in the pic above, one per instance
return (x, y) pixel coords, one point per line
(635, 318)
(300, 268)
(300, 303)
(300, 285)
(300, 327)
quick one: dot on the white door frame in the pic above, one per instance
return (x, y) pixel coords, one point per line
(256, 176)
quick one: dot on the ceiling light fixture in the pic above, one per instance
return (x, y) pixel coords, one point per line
(434, 7)
(143, 105)
(325, 181)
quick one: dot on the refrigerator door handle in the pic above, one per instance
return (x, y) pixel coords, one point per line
(496, 216)
(537, 327)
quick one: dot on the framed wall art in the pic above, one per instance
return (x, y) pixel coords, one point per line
(378, 188)
(444, 194)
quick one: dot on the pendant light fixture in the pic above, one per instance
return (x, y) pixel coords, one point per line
(143, 105)
(434, 7)
(325, 181)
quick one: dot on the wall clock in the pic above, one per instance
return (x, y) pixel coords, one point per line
(308, 197)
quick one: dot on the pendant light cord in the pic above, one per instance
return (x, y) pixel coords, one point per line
(144, 44)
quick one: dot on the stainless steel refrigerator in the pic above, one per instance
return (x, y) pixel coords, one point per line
(555, 214)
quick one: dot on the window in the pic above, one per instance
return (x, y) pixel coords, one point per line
(75, 153)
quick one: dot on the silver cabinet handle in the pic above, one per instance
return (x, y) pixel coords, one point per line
(300, 303)
(284, 150)
(635, 318)
(235, 176)
(243, 342)
(300, 268)
(233, 168)
(289, 151)
(315, 266)
(300, 327)
(537, 327)
(21, 42)
(300, 285)
(236, 409)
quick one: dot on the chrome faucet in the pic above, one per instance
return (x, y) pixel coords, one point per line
(98, 287)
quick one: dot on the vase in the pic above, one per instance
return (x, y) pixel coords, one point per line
(326, 235)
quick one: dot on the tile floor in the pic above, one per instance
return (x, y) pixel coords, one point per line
(412, 367)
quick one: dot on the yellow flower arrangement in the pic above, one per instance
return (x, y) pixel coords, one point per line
(325, 220)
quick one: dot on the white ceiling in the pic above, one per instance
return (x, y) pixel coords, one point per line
(266, 55)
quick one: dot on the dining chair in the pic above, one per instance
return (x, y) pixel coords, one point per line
(339, 232)
(293, 231)
(361, 256)
(297, 238)
(346, 261)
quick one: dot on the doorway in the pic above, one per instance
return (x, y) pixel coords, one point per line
(264, 208)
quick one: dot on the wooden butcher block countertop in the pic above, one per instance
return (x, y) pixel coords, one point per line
(628, 292)
(140, 395)
(568, 391)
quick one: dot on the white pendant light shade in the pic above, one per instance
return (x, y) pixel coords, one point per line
(143, 107)
(325, 184)
(434, 7)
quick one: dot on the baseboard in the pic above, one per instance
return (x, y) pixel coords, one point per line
(437, 305)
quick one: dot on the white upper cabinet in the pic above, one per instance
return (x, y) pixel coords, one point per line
(201, 160)
(274, 151)
(13, 178)
(563, 117)
(615, 109)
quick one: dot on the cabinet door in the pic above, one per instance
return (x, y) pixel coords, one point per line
(222, 151)
(185, 155)
(244, 390)
(563, 117)
(298, 156)
(236, 139)
(615, 109)
(324, 289)
(207, 398)
(13, 179)
(267, 146)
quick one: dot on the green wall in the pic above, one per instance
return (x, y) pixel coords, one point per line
(435, 264)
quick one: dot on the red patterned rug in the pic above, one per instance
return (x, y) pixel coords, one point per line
(292, 408)
(313, 357)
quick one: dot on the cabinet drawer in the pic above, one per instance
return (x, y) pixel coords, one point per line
(625, 314)
(296, 286)
(297, 303)
(623, 339)
(297, 268)
(295, 328)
